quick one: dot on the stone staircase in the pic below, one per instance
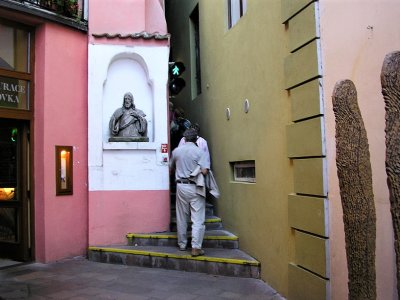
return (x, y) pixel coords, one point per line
(159, 250)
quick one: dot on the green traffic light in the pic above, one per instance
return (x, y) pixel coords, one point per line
(176, 71)
(176, 84)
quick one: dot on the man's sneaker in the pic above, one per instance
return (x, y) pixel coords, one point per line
(197, 252)
(182, 248)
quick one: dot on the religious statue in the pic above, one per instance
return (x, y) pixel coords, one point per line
(128, 124)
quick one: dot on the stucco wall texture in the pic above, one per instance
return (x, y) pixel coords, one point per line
(349, 40)
(355, 38)
(242, 63)
(60, 119)
(128, 182)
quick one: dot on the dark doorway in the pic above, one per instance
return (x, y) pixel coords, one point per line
(15, 221)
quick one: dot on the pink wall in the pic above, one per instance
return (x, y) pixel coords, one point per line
(355, 37)
(60, 119)
(113, 214)
(126, 17)
(155, 17)
(117, 16)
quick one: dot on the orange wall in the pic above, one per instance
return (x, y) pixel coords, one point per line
(355, 37)
(60, 119)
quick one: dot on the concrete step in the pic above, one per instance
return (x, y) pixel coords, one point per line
(225, 262)
(211, 222)
(212, 239)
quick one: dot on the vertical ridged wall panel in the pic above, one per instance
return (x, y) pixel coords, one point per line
(308, 206)
(309, 214)
(311, 253)
(302, 65)
(309, 176)
(305, 139)
(304, 285)
(303, 28)
(292, 7)
(306, 100)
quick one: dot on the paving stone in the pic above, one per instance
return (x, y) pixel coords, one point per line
(181, 296)
(82, 279)
(90, 291)
(13, 290)
(64, 294)
(231, 295)
(208, 291)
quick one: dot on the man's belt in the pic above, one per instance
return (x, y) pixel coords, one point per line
(185, 181)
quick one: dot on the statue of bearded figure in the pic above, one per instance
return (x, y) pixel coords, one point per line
(128, 121)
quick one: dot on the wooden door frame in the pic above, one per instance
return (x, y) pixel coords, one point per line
(27, 116)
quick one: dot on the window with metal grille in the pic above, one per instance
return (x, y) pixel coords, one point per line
(244, 171)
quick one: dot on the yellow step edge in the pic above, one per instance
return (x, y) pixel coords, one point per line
(172, 236)
(169, 255)
(210, 220)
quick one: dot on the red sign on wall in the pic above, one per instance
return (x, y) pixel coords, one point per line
(164, 148)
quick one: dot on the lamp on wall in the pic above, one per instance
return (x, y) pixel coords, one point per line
(64, 169)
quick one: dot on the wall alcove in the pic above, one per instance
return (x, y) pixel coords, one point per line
(127, 72)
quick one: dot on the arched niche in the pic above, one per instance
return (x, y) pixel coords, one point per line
(127, 72)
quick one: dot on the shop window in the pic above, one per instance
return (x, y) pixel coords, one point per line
(244, 171)
(14, 50)
(16, 66)
(236, 10)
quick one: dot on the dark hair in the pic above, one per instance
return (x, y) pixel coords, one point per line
(195, 126)
(190, 135)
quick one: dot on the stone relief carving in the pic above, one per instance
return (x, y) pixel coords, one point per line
(390, 81)
(355, 183)
(128, 124)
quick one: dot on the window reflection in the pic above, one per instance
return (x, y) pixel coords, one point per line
(14, 50)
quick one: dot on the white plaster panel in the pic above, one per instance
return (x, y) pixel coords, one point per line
(133, 170)
(113, 71)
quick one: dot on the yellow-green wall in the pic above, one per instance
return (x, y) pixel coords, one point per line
(245, 62)
(285, 56)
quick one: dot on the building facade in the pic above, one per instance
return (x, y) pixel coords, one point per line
(260, 80)
(263, 80)
(44, 92)
(64, 185)
(128, 181)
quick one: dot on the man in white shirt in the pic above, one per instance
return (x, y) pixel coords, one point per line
(201, 142)
(184, 160)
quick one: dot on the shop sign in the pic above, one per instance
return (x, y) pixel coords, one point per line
(14, 93)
